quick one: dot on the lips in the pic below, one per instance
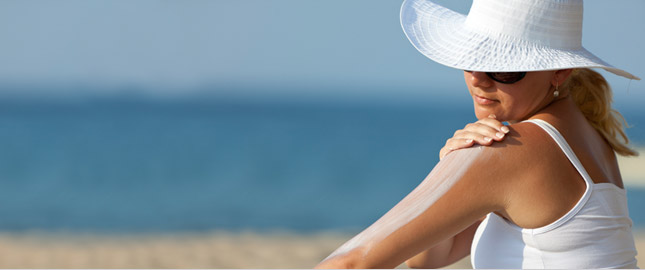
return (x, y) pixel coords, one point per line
(483, 101)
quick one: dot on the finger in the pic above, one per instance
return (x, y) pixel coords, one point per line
(495, 124)
(454, 144)
(480, 138)
(480, 135)
(483, 130)
(458, 143)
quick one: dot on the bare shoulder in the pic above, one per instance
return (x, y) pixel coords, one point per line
(534, 145)
(530, 167)
(493, 175)
(522, 163)
(521, 153)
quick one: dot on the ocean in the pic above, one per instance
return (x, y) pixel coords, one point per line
(142, 165)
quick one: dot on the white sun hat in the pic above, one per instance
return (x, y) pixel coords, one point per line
(502, 35)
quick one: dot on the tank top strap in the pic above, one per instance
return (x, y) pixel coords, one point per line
(564, 146)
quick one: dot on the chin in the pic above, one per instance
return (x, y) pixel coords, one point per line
(481, 114)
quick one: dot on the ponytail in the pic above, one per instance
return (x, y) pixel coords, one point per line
(592, 94)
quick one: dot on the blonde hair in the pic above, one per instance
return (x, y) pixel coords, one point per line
(591, 92)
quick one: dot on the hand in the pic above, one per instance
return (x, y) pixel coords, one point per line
(482, 132)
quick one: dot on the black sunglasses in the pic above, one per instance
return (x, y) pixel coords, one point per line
(505, 77)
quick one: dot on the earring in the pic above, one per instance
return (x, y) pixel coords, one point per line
(556, 93)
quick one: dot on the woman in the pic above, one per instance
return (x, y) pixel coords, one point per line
(548, 194)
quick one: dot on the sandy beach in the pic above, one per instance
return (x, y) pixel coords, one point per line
(206, 250)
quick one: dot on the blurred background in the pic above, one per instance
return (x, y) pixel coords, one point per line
(233, 134)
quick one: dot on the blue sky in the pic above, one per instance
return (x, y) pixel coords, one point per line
(342, 48)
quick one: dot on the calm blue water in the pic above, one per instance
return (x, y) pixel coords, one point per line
(140, 166)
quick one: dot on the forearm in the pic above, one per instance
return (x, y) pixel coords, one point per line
(447, 252)
(434, 257)
(349, 260)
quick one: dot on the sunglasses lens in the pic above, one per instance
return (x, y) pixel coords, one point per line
(506, 77)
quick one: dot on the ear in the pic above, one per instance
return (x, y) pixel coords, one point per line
(561, 76)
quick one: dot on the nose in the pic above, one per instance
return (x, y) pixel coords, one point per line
(480, 79)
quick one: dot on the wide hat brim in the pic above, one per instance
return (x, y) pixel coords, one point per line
(441, 35)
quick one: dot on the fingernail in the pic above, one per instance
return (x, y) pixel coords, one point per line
(492, 116)
(500, 135)
(469, 141)
(488, 139)
(505, 129)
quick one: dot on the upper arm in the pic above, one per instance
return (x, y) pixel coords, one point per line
(469, 194)
(461, 189)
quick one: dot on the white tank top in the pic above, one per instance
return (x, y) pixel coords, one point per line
(595, 233)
